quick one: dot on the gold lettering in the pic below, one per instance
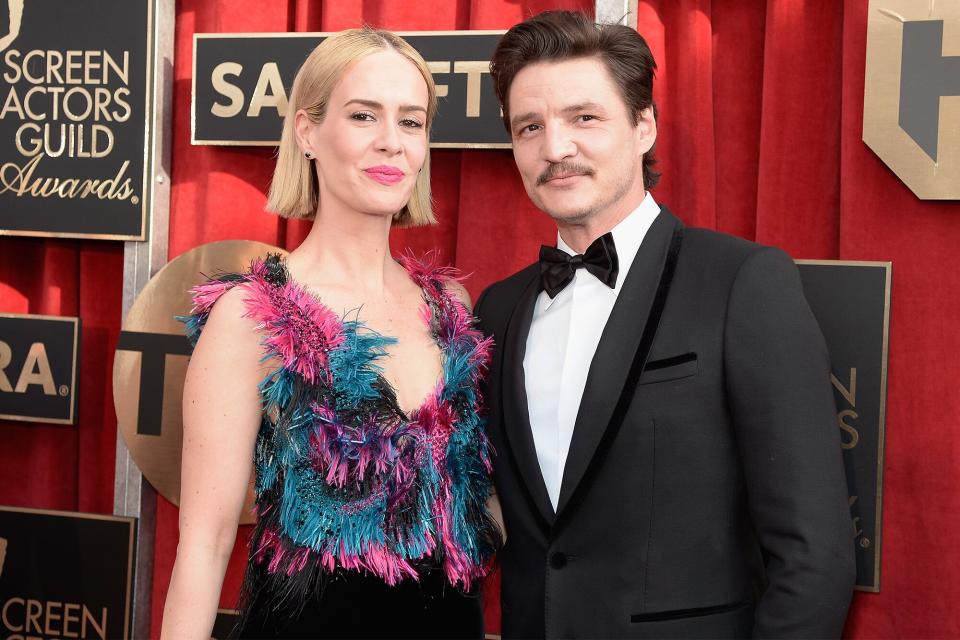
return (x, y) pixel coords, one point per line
(77, 117)
(3, 553)
(269, 79)
(34, 611)
(73, 65)
(8, 59)
(96, 150)
(6, 606)
(33, 115)
(849, 393)
(55, 98)
(54, 62)
(227, 90)
(101, 100)
(20, 181)
(6, 355)
(67, 619)
(89, 65)
(35, 142)
(474, 70)
(122, 72)
(100, 628)
(12, 103)
(856, 519)
(440, 67)
(36, 370)
(25, 65)
(51, 617)
(848, 428)
(123, 103)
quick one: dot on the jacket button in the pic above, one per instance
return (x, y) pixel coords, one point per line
(558, 560)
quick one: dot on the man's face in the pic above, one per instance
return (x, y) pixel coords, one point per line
(577, 148)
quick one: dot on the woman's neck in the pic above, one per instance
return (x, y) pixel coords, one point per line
(346, 249)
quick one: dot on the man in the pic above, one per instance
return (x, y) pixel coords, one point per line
(668, 457)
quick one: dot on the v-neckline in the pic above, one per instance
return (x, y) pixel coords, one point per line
(426, 298)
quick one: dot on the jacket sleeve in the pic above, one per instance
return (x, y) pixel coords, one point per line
(777, 374)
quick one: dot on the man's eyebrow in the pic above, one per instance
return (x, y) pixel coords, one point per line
(583, 106)
(373, 104)
(573, 108)
(523, 117)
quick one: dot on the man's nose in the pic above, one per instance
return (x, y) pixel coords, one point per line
(558, 145)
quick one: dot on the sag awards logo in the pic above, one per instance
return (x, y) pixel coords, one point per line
(151, 361)
(911, 111)
(65, 104)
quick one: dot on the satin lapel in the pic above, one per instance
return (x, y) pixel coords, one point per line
(615, 353)
(513, 393)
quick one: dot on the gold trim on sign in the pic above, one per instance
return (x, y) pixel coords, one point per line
(882, 427)
(73, 368)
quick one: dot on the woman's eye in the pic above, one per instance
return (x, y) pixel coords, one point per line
(362, 116)
(410, 122)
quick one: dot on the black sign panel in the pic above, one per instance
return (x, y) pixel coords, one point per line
(74, 110)
(241, 83)
(64, 574)
(225, 623)
(38, 368)
(851, 301)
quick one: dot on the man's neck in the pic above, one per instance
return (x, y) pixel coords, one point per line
(578, 236)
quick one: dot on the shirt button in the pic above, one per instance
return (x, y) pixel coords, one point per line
(558, 560)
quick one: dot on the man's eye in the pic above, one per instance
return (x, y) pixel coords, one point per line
(530, 128)
(586, 118)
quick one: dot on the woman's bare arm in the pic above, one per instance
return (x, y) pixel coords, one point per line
(221, 416)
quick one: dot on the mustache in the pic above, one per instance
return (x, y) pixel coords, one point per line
(563, 168)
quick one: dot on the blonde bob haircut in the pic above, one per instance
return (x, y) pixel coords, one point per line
(294, 191)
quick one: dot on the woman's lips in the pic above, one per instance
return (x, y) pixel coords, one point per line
(385, 174)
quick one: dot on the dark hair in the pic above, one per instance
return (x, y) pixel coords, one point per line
(563, 35)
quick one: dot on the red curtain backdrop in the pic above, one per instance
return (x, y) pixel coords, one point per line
(760, 125)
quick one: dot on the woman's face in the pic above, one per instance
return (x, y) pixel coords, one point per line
(373, 140)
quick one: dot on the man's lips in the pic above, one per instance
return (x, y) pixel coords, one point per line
(385, 174)
(563, 179)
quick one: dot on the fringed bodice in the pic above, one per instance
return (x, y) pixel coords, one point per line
(344, 479)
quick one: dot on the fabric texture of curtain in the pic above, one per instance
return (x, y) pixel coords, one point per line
(759, 136)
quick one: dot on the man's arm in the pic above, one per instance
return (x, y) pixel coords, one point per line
(778, 386)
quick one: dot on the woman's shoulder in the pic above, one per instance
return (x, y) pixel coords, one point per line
(439, 280)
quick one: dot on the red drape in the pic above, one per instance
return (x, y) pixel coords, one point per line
(760, 119)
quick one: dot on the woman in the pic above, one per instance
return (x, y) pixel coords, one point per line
(349, 378)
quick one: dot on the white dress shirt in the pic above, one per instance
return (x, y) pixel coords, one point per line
(563, 338)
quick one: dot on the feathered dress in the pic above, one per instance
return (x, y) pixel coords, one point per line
(370, 522)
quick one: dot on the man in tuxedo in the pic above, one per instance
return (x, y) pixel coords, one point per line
(668, 457)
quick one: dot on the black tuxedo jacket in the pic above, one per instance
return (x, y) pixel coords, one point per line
(703, 494)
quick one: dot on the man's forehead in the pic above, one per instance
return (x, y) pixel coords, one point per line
(561, 86)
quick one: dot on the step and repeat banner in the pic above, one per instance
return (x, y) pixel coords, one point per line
(76, 98)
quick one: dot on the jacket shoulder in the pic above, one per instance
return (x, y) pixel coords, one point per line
(497, 301)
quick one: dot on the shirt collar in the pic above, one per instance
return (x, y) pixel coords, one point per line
(627, 237)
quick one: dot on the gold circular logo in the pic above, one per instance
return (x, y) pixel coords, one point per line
(151, 361)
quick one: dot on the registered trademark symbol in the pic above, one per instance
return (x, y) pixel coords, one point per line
(64, 390)
(134, 200)
(864, 542)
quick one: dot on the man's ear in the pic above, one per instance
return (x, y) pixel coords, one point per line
(646, 129)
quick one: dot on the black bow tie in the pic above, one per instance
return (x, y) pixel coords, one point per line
(557, 267)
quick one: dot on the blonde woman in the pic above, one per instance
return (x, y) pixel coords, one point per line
(349, 377)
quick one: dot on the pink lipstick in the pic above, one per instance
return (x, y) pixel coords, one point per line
(385, 174)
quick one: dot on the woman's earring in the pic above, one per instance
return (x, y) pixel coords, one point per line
(308, 155)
